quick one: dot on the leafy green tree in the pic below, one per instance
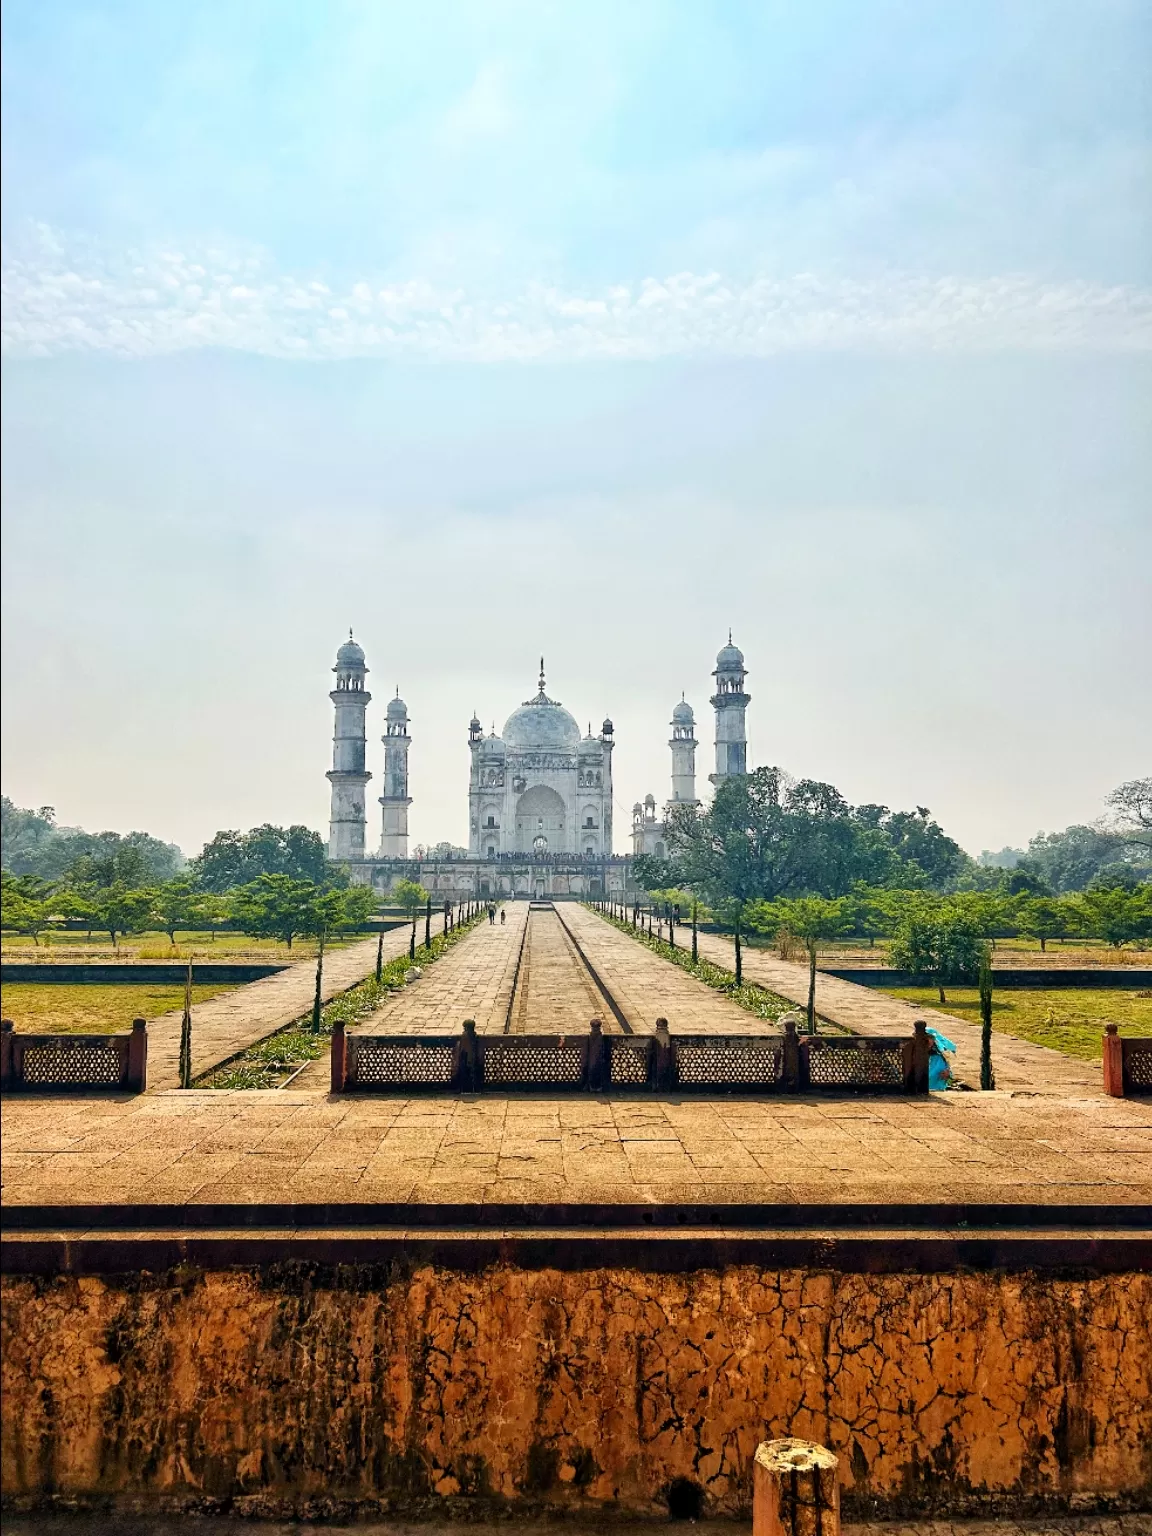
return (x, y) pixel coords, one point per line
(1067, 861)
(179, 904)
(653, 874)
(815, 920)
(409, 896)
(24, 835)
(34, 844)
(275, 906)
(912, 849)
(1043, 918)
(1118, 916)
(120, 909)
(25, 905)
(123, 864)
(235, 859)
(941, 942)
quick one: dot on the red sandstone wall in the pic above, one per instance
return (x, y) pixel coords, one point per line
(601, 1385)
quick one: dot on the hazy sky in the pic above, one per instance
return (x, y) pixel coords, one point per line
(585, 329)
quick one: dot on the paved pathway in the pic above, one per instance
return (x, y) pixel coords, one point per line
(556, 994)
(239, 1018)
(1018, 1063)
(217, 1146)
(648, 987)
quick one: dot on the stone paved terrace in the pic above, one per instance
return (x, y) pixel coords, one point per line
(648, 987)
(1018, 1063)
(231, 1022)
(283, 1147)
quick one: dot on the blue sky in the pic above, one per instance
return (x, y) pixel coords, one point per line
(587, 327)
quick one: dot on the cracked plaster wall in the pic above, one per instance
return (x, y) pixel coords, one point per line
(359, 1384)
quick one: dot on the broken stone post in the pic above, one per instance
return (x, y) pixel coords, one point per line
(339, 1057)
(138, 1057)
(795, 1490)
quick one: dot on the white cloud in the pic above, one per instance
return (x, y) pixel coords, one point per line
(64, 296)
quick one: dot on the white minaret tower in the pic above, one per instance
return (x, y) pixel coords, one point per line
(348, 777)
(683, 745)
(395, 799)
(730, 702)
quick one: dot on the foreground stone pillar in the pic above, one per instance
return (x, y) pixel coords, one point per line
(795, 1490)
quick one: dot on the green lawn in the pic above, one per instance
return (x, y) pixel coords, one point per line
(38, 1008)
(1068, 1019)
(220, 947)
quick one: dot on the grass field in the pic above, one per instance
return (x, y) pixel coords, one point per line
(155, 946)
(1071, 1021)
(1073, 953)
(36, 1009)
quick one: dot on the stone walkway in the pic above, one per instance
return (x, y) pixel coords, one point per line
(232, 1022)
(1019, 1065)
(237, 1147)
(648, 987)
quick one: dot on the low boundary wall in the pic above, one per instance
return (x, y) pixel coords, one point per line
(341, 1386)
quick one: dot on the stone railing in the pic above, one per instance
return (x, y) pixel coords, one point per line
(74, 1063)
(661, 1062)
(1127, 1064)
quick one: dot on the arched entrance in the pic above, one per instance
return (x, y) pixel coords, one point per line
(540, 815)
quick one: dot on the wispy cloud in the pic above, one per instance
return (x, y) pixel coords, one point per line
(62, 295)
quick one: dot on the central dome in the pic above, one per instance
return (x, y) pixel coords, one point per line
(541, 725)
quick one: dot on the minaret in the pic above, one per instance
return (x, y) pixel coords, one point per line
(683, 745)
(730, 701)
(347, 776)
(395, 799)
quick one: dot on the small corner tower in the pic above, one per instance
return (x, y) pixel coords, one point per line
(730, 703)
(395, 800)
(683, 747)
(347, 775)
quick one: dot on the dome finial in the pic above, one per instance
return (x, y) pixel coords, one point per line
(541, 674)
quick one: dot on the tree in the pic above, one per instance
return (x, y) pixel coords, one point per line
(122, 863)
(178, 904)
(25, 905)
(919, 851)
(815, 920)
(1118, 916)
(34, 844)
(940, 942)
(1130, 812)
(120, 909)
(234, 859)
(409, 897)
(274, 906)
(1043, 918)
(1066, 861)
(24, 835)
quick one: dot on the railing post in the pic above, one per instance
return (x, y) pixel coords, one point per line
(467, 1076)
(138, 1057)
(662, 1057)
(339, 1057)
(795, 1490)
(917, 1078)
(7, 1067)
(1113, 1061)
(596, 1072)
(790, 1065)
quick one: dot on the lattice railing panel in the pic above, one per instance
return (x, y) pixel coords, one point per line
(629, 1065)
(856, 1066)
(508, 1062)
(67, 1064)
(391, 1063)
(722, 1063)
(1138, 1064)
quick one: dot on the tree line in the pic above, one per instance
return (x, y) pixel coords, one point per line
(270, 882)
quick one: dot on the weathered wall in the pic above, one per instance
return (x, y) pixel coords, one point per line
(299, 1384)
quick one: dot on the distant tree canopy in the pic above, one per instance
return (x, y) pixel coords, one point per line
(34, 845)
(766, 836)
(234, 859)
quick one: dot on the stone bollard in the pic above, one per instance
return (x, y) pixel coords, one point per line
(1113, 1062)
(795, 1490)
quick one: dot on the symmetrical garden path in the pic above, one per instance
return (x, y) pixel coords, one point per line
(205, 1146)
(232, 1022)
(1018, 1064)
